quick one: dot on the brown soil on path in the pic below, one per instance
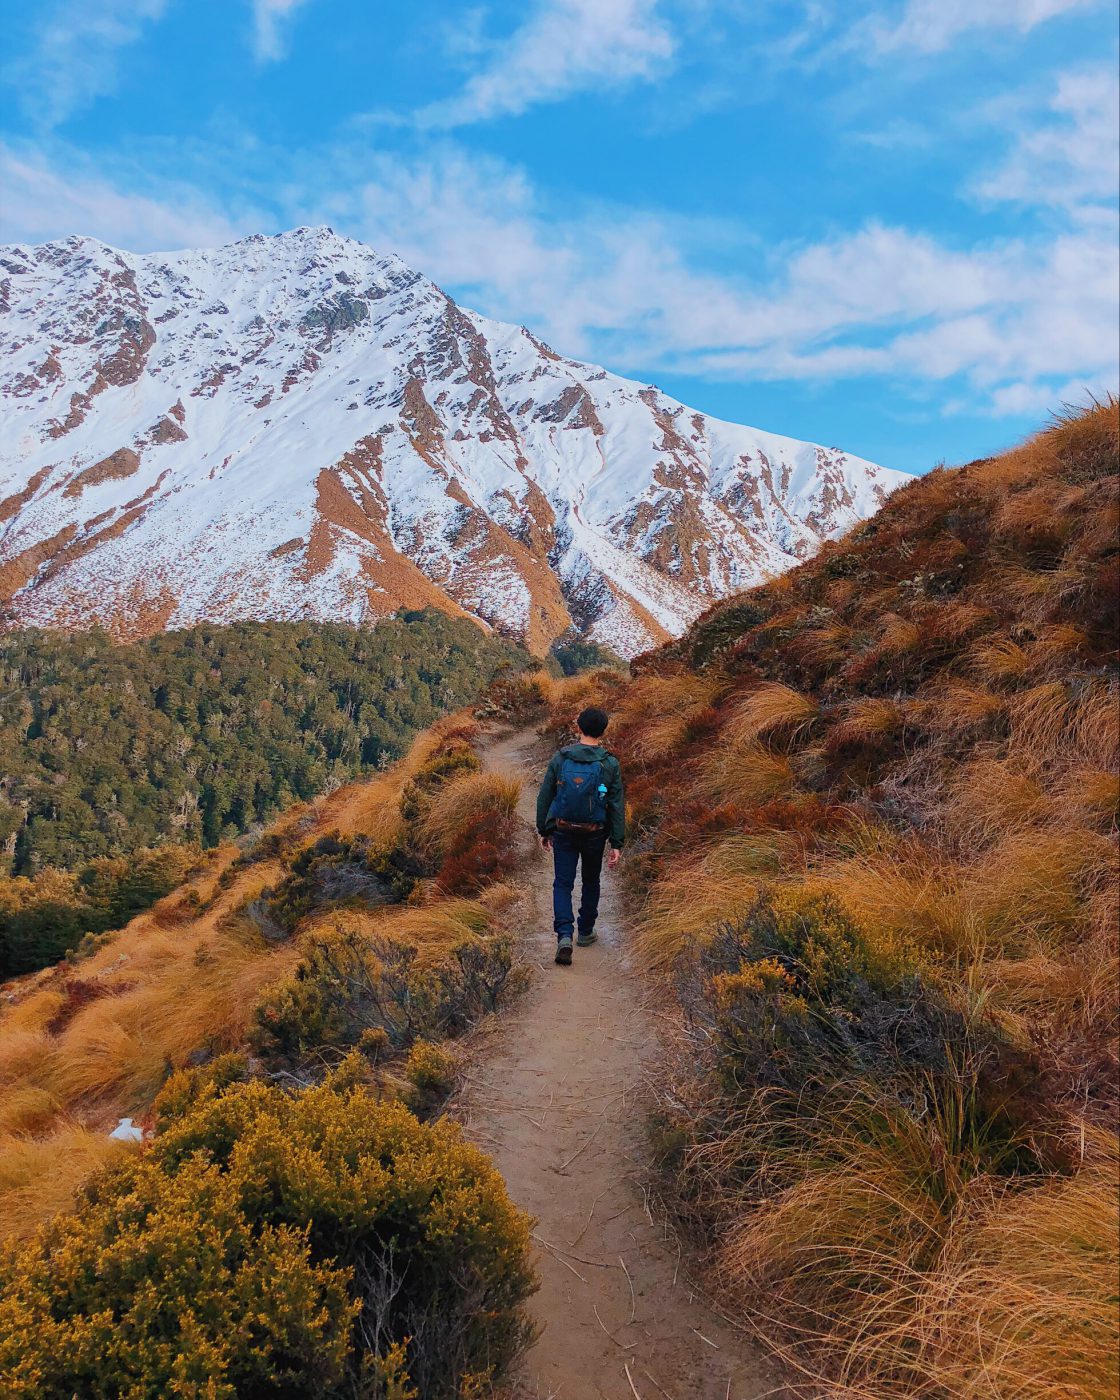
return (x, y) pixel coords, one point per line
(557, 1098)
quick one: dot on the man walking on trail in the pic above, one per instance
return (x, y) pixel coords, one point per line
(580, 808)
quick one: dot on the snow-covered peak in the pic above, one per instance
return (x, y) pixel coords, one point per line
(298, 425)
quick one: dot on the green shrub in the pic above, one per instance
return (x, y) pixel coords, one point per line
(316, 1245)
(350, 982)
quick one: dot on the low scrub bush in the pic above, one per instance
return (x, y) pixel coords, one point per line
(334, 870)
(317, 1245)
(351, 980)
(430, 1070)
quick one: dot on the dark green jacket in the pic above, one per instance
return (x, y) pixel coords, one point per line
(612, 776)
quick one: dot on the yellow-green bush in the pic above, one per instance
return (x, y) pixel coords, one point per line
(316, 1245)
(352, 980)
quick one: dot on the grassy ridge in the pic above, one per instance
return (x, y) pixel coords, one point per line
(875, 812)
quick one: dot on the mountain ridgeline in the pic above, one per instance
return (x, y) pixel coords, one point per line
(301, 427)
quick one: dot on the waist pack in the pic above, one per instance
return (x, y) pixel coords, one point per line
(580, 803)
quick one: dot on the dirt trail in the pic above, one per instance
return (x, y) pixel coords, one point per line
(556, 1097)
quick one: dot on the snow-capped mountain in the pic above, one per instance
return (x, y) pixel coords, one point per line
(301, 427)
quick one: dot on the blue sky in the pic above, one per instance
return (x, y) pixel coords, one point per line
(885, 224)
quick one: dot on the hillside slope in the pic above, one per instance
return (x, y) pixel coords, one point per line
(295, 1223)
(301, 428)
(875, 856)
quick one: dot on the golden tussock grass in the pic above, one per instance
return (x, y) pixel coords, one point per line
(659, 712)
(1049, 725)
(859, 1209)
(899, 636)
(902, 900)
(1024, 1301)
(464, 801)
(820, 648)
(914, 1267)
(988, 797)
(1092, 796)
(864, 721)
(653, 694)
(179, 993)
(742, 775)
(957, 709)
(1029, 891)
(699, 895)
(39, 1177)
(902, 1243)
(999, 660)
(769, 709)
(26, 1110)
(432, 929)
(23, 1052)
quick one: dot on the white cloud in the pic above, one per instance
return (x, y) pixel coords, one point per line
(75, 55)
(43, 201)
(931, 26)
(269, 20)
(563, 47)
(1073, 155)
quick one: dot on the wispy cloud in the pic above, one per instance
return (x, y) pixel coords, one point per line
(563, 47)
(931, 26)
(624, 287)
(1071, 155)
(75, 55)
(270, 19)
(45, 199)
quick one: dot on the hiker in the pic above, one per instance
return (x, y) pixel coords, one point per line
(579, 809)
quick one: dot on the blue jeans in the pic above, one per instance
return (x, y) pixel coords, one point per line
(569, 849)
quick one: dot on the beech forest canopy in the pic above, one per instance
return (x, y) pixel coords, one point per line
(197, 736)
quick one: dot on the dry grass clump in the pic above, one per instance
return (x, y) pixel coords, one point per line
(465, 802)
(659, 713)
(770, 709)
(748, 773)
(700, 894)
(432, 929)
(40, 1176)
(1024, 1299)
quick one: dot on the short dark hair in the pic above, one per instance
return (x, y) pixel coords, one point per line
(592, 722)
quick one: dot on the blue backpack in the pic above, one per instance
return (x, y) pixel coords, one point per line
(581, 793)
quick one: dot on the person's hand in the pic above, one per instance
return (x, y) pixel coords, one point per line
(614, 857)
(546, 843)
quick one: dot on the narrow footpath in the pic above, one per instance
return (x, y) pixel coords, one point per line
(556, 1095)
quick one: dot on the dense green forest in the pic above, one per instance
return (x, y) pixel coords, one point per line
(194, 737)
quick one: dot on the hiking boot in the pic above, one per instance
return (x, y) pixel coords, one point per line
(564, 952)
(585, 940)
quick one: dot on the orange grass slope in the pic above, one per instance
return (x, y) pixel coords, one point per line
(89, 1041)
(875, 809)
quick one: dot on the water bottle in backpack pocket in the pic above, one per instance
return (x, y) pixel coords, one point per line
(581, 795)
